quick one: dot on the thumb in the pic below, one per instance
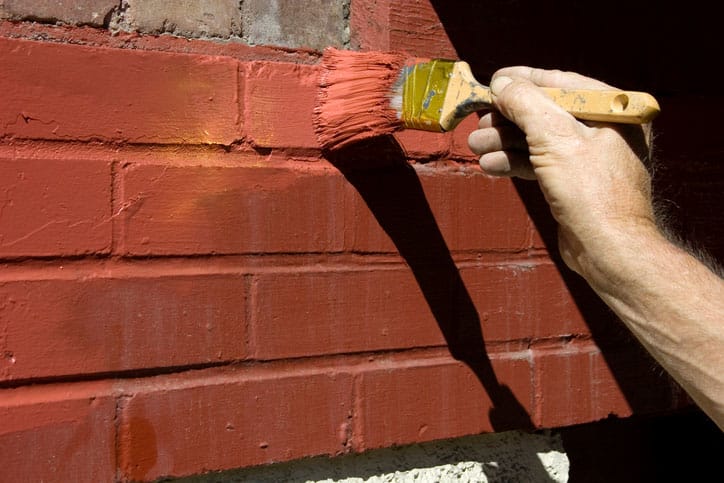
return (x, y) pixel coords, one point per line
(527, 106)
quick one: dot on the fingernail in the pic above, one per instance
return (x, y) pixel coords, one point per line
(499, 83)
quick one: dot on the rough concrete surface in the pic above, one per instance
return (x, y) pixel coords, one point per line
(498, 457)
(289, 23)
(186, 18)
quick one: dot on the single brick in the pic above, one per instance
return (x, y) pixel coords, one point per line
(213, 420)
(79, 12)
(426, 212)
(71, 92)
(51, 207)
(187, 18)
(280, 100)
(314, 24)
(57, 433)
(414, 27)
(579, 384)
(306, 313)
(188, 210)
(369, 24)
(423, 144)
(521, 301)
(412, 401)
(120, 321)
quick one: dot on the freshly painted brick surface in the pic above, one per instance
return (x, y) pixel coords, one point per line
(118, 320)
(576, 383)
(188, 284)
(427, 212)
(58, 433)
(337, 312)
(279, 103)
(409, 401)
(65, 92)
(190, 210)
(218, 420)
(51, 207)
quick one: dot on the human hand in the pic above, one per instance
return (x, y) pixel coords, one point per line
(591, 174)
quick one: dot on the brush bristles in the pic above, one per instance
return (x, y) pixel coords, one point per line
(355, 98)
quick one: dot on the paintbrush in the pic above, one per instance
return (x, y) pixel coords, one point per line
(367, 94)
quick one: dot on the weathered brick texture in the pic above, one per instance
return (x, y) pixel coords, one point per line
(78, 12)
(186, 18)
(311, 24)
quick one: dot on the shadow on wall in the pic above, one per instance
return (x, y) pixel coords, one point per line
(398, 202)
(628, 44)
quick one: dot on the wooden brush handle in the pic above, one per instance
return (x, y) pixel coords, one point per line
(466, 95)
(628, 107)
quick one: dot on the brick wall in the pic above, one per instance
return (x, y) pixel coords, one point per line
(188, 285)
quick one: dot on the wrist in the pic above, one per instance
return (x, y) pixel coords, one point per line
(616, 254)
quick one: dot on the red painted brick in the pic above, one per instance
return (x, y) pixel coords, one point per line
(118, 320)
(411, 209)
(406, 402)
(70, 92)
(575, 384)
(57, 433)
(369, 24)
(415, 27)
(301, 314)
(54, 208)
(422, 144)
(384, 308)
(215, 420)
(280, 100)
(223, 210)
(523, 301)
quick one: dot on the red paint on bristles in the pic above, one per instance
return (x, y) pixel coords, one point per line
(353, 100)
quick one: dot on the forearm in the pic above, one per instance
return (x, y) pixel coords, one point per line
(671, 302)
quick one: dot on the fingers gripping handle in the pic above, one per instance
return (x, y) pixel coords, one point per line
(629, 107)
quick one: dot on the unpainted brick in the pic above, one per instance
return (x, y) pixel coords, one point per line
(313, 24)
(186, 18)
(53, 207)
(76, 12)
